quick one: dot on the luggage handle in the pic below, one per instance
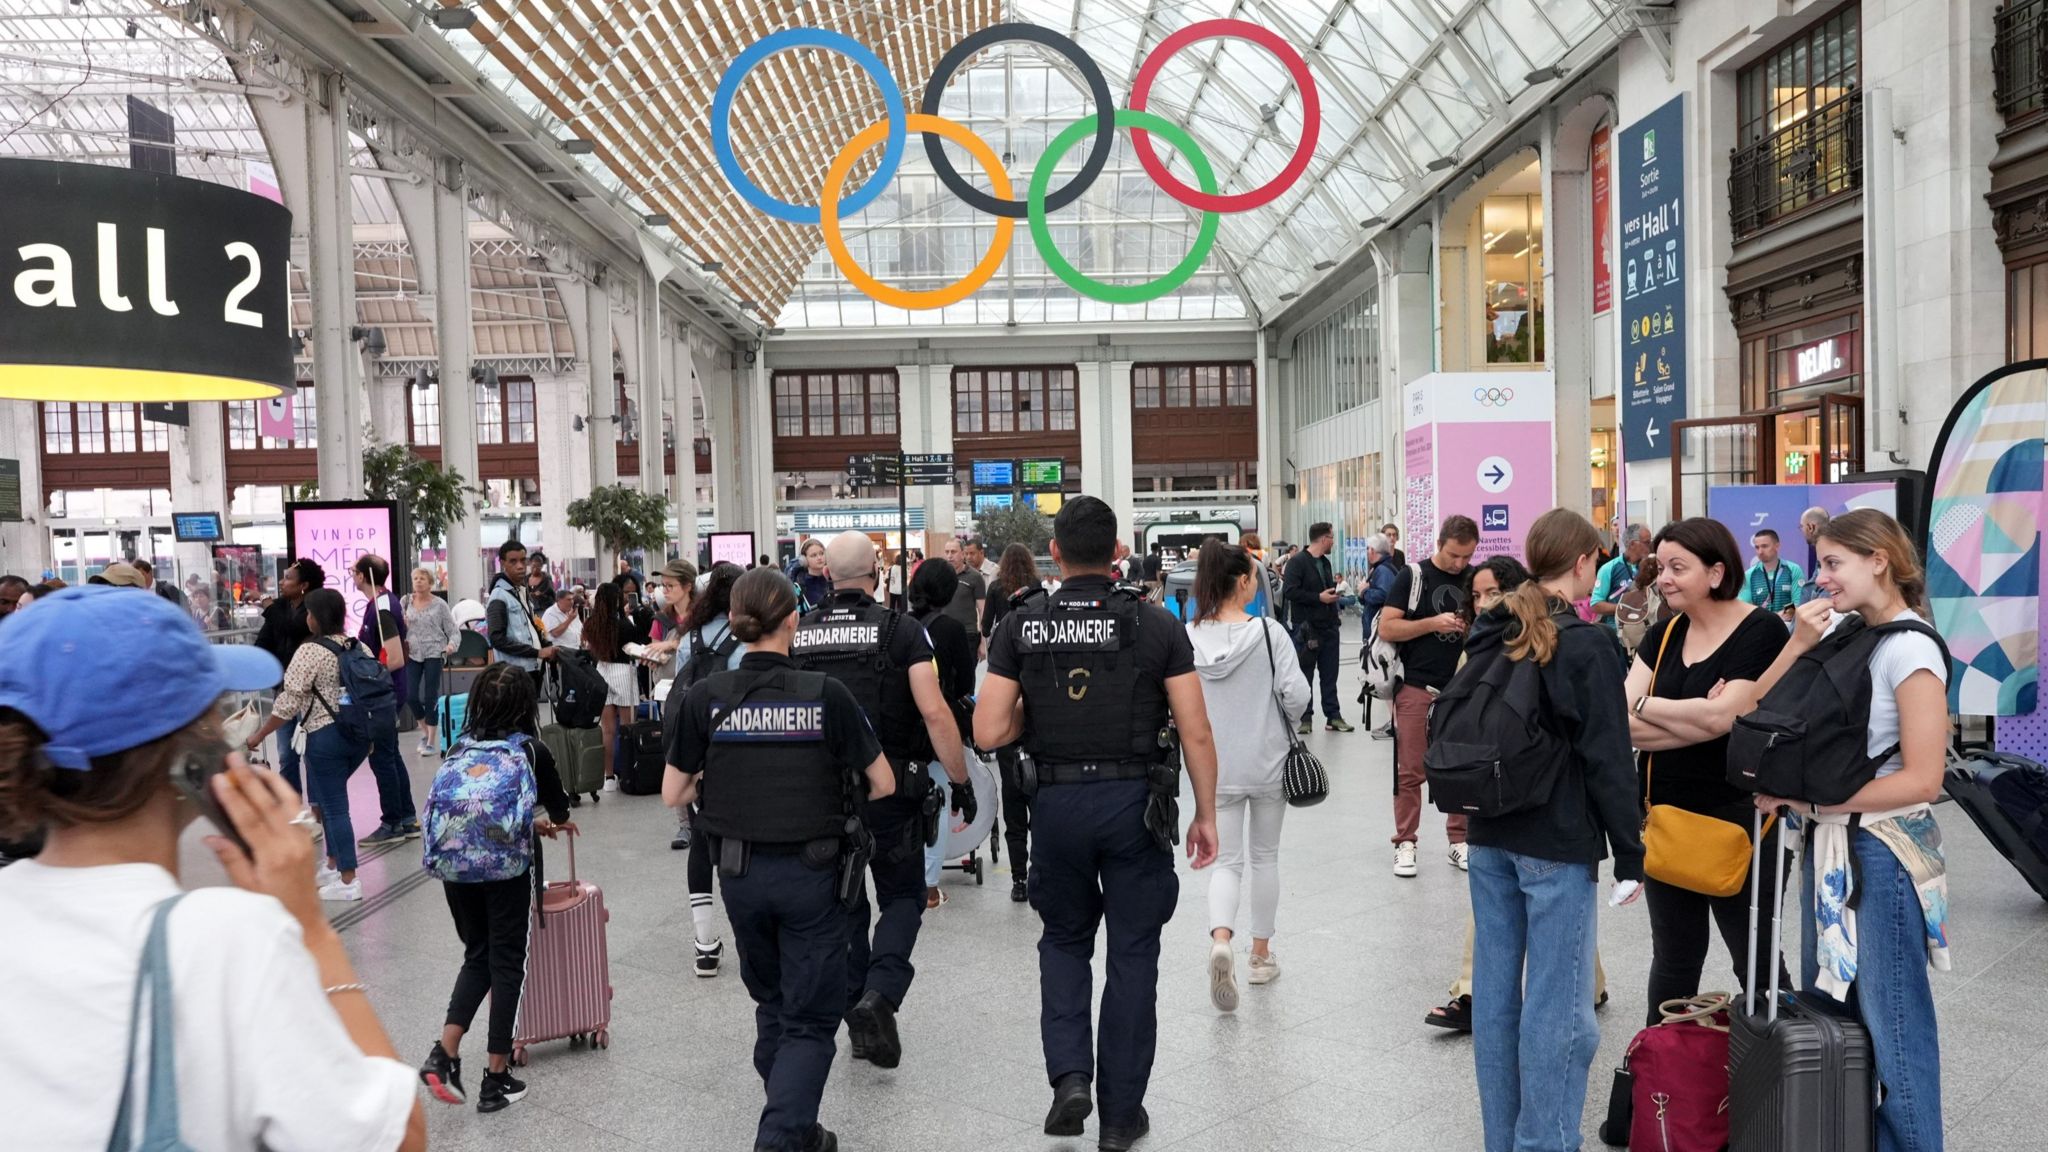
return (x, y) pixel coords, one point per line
(1756, 860)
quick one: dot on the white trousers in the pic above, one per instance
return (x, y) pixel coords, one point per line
(1247, 841)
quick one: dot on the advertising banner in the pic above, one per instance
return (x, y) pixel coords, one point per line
(733, 548)
(274, 415)
(1485, 443)
(1602, 165)
(129, 285)
(1651, 172)
(1750, 508)
(334, 533)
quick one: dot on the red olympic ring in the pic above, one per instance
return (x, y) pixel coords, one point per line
(1311, 115)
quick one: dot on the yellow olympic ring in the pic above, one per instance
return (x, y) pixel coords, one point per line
(828, 212)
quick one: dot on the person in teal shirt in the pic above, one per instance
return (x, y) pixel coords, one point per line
(1618, 574)
(1772, 582)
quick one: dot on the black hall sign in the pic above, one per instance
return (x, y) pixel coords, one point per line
(122, 285)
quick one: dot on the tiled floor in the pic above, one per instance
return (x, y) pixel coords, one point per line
(1334, 1055)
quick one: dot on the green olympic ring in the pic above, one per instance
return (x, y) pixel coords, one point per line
(1041, 230)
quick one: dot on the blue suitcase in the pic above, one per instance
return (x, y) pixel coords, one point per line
(450, 716)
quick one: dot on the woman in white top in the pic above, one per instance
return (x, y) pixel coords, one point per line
(1879, 917)
(1248, 673)
(271, 1042)
(431, 637)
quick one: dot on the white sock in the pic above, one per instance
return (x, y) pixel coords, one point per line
(700, 917)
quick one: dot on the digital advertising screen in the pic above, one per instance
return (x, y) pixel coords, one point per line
(334, 533)
(1048, 502)
(733, 548)
(1048, 473)
(995, 473)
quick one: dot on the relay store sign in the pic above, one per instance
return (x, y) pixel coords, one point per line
(1651, 172)
(123, 285)
(1480, 444)
(334, 534)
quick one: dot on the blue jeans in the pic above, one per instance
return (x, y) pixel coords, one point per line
(331, 758)
(423, 688)
(1532, 1047)
(1891, 994)
(1321, 663)
(287, 759)
(394, 786)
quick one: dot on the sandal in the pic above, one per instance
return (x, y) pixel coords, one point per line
(934, 897)
(1455, 1016)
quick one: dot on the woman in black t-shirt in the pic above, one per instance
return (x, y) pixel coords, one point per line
(1692, 676)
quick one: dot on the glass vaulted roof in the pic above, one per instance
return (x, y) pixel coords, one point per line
(1403, 85)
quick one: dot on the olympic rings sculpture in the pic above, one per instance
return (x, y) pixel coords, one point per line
(1040, 200)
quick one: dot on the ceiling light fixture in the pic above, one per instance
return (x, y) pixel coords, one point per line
(1325, 265)
(777, 331)
(711, 266)
(454, 19)
(655, 219)
(1544, 74)
(1372, 221)
(579, 146)
(1289, 295)
(749, 306)
(131, 30)
(1441, 163)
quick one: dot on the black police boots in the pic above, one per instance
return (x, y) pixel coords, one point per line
(857, 1032)
(876, 1017)
(1071, 1104)
(1121, 1139)
(820, 1139)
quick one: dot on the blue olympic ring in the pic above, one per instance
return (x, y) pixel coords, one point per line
(729, 86)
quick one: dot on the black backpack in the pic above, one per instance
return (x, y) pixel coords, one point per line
(1809, 737)
(367, 697)
(704, 659)
(576, 688)
(1490, 753)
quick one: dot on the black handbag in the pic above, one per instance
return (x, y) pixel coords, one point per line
(1302, 775)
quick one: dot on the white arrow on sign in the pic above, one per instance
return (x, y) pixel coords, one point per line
(1650, 432)
(1495, 474)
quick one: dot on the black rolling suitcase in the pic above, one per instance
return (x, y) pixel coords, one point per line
(2007, 798)
(643, 757)
(1801, 1075)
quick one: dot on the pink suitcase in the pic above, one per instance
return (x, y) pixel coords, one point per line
(568, 989)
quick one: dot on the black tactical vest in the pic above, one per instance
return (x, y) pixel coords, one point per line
(769, 777)
(1077, 667)
(849, 640)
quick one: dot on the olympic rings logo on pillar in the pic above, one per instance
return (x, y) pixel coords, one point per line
(1493, 397)
(1040, 200)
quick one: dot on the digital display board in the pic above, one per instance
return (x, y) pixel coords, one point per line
(1049, 502)
(733, 548)
(196, 527)
(995, 473)
(1049, 473)
(983, 501)
(333, 534)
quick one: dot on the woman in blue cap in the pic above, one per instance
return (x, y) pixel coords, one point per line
(114, 749)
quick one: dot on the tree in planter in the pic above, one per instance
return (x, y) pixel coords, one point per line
(429, 498)
(623, 519)
(1016, 524)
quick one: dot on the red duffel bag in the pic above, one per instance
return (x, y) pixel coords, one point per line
(1680, 1073)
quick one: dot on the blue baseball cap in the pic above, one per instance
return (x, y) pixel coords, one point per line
(101, 669)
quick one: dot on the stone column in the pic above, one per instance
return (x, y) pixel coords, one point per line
(1106, 457)
(924, 423)
(199, 478)
(25, 545)
(332, 280)
(565, 456)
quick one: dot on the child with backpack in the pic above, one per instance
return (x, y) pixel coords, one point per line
(343, 700)
(480, 828)
(1530, 740)
(1872, 763)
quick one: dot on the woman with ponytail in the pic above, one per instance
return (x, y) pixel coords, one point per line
(1242, 659)
(1535, 871)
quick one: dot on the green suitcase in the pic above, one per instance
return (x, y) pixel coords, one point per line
(579, 757)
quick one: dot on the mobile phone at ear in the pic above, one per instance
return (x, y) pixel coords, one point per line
(193, 777)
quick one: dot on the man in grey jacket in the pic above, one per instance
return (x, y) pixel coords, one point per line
(509, 618)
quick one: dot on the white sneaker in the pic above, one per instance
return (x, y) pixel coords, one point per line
(1222, 976)
(340, 891)
(611, 783)
(323, 876)
(423, 747)
(1265, 969)
(1404, 858)
(1461, 857)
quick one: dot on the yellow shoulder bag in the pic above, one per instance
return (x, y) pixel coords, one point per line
(1687, 849)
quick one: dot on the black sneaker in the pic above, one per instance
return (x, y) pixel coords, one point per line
(1018, 892)
(385, 834)
(707, 959)
(442, 1074)
(878, 1019)
(410, 829)
(499, 1089)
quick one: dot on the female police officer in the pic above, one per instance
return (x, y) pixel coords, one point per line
(774, 756)
(1089, 676)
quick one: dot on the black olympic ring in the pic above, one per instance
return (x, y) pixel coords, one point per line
(1098, 87)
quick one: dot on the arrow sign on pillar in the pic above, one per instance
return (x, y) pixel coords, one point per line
(1497, 475)
(1650, 431)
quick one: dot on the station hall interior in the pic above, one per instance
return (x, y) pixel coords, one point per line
(1623, 257)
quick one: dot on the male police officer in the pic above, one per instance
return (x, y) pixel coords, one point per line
(781, 752)
(1087, 677)
(885, 659)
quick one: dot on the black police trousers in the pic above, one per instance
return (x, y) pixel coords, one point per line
(1016, 808)
(790, 930)
(898, 868)
(1093, 860)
